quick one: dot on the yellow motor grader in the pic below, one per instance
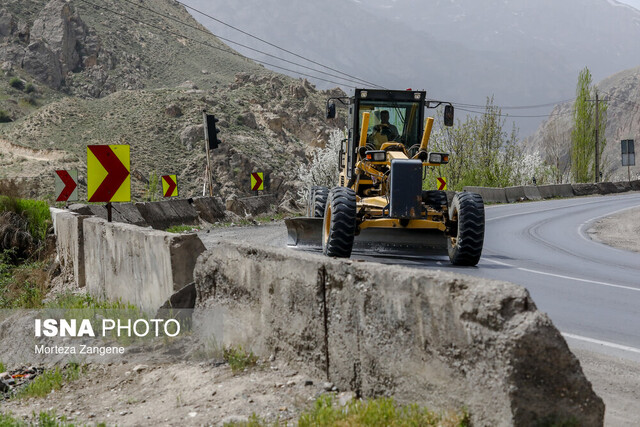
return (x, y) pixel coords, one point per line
(378, 205)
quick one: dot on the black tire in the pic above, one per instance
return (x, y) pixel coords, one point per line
(339, 226)
(317, 201)
(467, 217)
(435, 199)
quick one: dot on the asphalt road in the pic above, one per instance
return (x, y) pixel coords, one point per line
(590, 290)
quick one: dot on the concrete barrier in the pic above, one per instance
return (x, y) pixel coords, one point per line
(137, 265)
(434, 338)
(531, 192)
(514, 194)
(585, 189)
(556, 190)
(209, 209)
(606, 188)
(622, 186)
(127, 213)
(489, 194)
(67, 227)
(158, 215)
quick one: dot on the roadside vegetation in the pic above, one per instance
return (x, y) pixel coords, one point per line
(239, 359)
(24, 252)
(52, 379)
(380, 412)
(42, 419)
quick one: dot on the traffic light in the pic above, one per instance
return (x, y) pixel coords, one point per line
(212, 131)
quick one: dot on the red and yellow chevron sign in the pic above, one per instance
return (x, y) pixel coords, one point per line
(442, 183)
(257, 181)
(108, 178)
(170, 185)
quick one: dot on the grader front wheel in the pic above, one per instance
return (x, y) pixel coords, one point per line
(339, 227)
(467, 216)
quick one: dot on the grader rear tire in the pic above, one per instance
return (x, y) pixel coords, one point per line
(467, 214)
(317, 201)
(339, 226)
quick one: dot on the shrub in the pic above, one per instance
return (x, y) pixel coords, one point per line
(30, 88)
(4, 117)
(238, 358)
(323, 168)
(17, 83)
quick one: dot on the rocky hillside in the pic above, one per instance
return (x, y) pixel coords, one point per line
(622, 92)
(82, 72)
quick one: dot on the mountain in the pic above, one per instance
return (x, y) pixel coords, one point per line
(139, 72)
(621, 91)
(523, 52)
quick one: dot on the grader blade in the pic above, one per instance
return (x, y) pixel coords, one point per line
(306, 233)
(394, 241)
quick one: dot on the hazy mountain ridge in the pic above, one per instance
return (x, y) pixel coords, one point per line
(523, 52)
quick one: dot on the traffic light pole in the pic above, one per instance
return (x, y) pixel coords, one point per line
(209, 174)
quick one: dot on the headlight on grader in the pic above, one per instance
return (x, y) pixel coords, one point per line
(439, 158)
(376, 155)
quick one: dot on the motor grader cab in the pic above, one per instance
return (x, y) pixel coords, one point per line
(378, 205)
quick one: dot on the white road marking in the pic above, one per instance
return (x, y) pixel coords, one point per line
(603, 343)
(577, 279)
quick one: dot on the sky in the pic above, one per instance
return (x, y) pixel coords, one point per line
(634, 3)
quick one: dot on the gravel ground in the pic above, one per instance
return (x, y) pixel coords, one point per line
(621, 230)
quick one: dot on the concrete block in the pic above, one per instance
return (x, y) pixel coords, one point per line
(531, 192)
(258, 204)
(584, 189)
(186, 212)
(514, 194)
(556, 190)
(68, 228)
(489, 194)
(158, 215)
(564, 190)
(429, 337)
(93, 210)
(137, 265)
(274, 304)
(209, 209)
(127, 213)
(622, 186)
(606, 188)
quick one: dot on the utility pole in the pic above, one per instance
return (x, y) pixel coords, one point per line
(597, 163)
(597, 142)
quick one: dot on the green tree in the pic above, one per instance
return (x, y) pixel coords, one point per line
(583, 134)
(482, 152)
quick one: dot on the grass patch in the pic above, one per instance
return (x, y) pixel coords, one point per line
(182, 228)
(2, 367)
(377, 412)
(22, 286)
(43, 419)
(52, 379)
(239, 359)
(35, 212)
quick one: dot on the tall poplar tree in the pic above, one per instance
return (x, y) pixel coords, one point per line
(583, 135)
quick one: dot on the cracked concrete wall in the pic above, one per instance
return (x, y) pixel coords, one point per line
(439, 339)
